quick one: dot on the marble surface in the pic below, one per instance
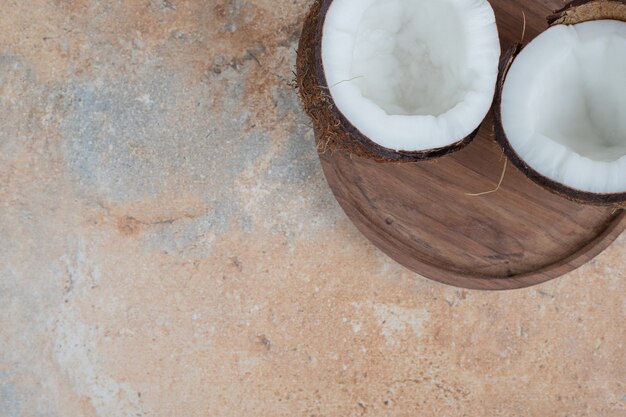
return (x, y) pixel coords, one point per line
(169, 247)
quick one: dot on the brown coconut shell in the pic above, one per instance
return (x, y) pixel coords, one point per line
(333, 131)
(577, 11)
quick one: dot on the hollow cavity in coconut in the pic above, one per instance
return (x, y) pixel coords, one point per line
(561, 105)
(398, 80)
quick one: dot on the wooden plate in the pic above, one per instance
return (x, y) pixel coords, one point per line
(423, 216)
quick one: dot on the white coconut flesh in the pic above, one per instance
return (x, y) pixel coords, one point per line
(411, 75)
(564, 105)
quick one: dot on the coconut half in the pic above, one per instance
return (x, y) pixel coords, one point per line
(561, 104)
(398, 80)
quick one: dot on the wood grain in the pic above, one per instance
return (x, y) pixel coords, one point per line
(424, 216)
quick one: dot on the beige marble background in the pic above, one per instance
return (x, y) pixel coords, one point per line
(169, 247)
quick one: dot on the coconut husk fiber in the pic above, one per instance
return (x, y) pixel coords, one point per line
(579, 11)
